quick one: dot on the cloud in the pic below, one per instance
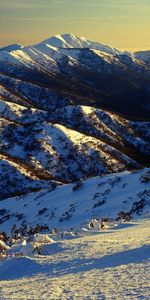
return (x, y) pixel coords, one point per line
(74, 18)
(28, 4)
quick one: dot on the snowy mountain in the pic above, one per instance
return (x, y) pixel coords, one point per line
(98, 74)
(72, 41)
(74, 171)
(70, 108)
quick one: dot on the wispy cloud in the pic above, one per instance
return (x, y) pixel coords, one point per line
(28, 4)
(86, 18)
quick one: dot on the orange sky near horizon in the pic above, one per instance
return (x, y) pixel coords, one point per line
(121, 23)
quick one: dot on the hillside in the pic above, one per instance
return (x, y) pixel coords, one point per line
(60, 130)
(66, 145)
(74, 171)
(98, 74)
(119, 197)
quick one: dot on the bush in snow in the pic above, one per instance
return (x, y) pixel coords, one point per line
(3, 236)
(3, 211)
(107, 223)
(42, 211)
(3, 247)
(78, 184)
(94, 224)
(138, 206)
(24, 230)
(124, 216)
(98, 224)
(66, 216)
(145, 178)
(99, 203)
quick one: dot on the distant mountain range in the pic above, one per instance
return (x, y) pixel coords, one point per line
(71, 108)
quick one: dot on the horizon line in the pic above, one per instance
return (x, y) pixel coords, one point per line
(130, 49)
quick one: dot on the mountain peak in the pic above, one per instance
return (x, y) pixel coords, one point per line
(57, 41)
(72, 41)
(66, 41)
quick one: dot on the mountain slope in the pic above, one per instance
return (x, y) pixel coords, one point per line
(72, 41)
(74, 171)
(61, 152)
(12, 47)
(19, 179)
(69, 144)
(71, 108)
(122, 195)
(97, 73)
(143, 56)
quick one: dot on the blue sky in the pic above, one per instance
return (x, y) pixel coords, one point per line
(121, 23)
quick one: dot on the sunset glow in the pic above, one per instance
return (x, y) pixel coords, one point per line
(121, 23)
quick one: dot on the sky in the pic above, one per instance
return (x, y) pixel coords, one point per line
(121, 23)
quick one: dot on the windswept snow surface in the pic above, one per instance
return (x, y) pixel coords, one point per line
(108, 265)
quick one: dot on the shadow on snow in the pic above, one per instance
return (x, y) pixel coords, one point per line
(17, 268)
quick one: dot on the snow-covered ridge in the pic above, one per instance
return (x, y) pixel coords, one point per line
(50, 50)
(72, 111)
(143, 56)
(60, 54)
(12, 47)
(72, 41)
(60, 105)
(21, 114)
(43, 52)
(68, 144)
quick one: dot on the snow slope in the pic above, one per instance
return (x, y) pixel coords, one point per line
(79, 141)
(64, 154)
(66, 207)
(72, 41)
(114, 264)
(49, 54)
(20, 113)
(72, 108)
